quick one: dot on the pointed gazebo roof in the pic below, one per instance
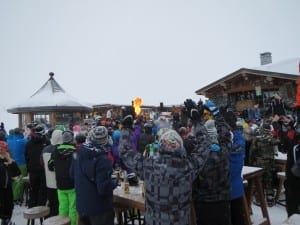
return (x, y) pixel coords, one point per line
(51, 97)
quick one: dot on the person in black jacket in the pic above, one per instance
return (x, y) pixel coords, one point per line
(37, 179)
(290, 140)
(212, 188)
(8, 169)
(145, 138)
(60, 162)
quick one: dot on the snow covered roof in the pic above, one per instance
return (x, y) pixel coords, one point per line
(290, 66)
(288, 69)
(50, 97)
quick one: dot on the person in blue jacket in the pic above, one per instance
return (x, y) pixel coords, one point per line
(236, 165)
(16, 144)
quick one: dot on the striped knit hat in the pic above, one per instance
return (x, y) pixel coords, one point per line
(99, 135)
(211, 128)
(212, 131)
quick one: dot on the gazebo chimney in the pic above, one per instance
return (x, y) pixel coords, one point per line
(51, 74)
(265, 58)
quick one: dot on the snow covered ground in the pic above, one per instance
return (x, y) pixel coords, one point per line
(277, 215)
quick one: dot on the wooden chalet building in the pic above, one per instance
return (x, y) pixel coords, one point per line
(246, 87)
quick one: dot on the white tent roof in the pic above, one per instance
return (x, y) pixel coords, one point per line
(50, 97)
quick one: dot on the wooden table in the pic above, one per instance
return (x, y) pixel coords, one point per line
(280, 161)
(253, 175)
(133, 200)
(123, 202)
(281, 156)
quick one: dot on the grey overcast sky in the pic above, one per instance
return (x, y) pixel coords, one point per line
(115, 50)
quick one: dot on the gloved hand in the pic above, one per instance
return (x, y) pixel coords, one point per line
(200, 107)
(189, 144)
(132, 179)
(211, 107)
(215, 147)
(192, 110)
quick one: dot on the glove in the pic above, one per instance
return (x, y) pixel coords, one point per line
(200, 107)
(189, 145)
(132, 179)
(211, 107)
(215, 148)
(192, 110)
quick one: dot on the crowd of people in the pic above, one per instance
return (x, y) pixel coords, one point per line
(192, 170)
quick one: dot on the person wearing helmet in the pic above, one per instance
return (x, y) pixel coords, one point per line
(33, 151)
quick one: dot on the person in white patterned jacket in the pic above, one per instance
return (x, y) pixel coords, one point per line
(168, 176)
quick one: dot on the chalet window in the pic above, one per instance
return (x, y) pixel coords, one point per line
(41, 118)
